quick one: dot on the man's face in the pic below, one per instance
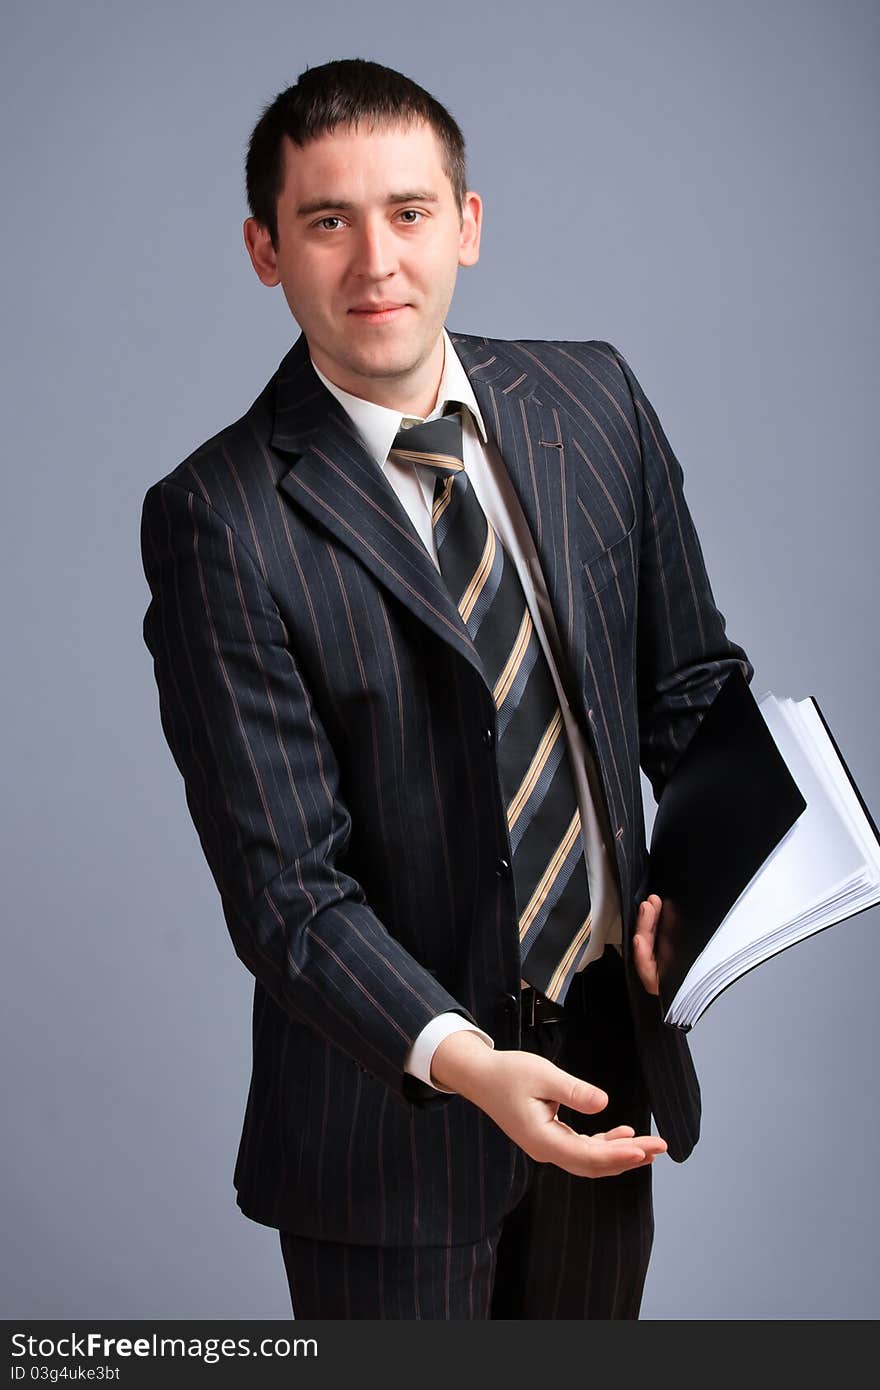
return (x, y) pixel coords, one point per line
(366, 218)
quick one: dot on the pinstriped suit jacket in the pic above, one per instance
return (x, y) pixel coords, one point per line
(329, 716)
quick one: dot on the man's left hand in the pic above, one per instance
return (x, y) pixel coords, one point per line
(644, 943)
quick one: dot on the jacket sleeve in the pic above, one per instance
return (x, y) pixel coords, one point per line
(683, 652)
(262, 786)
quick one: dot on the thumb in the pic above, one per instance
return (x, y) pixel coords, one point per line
(577, 1094)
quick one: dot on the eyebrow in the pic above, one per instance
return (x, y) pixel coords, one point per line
(328, 204)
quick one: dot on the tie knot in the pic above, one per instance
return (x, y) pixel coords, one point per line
(433, 443)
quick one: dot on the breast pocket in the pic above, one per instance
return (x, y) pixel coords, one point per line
(616, 564)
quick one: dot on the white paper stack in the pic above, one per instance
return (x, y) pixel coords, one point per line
(825, 869)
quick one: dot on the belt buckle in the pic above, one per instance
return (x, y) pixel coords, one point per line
(527, 1006)
(538, 1004)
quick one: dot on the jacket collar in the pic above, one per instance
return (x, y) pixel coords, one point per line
(303, 403)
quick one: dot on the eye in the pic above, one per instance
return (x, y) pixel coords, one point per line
(331, 218)
(415, 212)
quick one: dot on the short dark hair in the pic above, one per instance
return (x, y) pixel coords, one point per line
(344, 92)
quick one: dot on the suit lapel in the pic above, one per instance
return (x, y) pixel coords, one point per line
(335, 480)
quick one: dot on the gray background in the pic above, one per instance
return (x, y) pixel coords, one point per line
(696, 183)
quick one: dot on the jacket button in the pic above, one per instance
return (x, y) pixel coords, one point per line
(489, 737)
(511, 1003)
(502, 868)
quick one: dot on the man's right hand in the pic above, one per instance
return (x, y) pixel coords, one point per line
(522, 1093)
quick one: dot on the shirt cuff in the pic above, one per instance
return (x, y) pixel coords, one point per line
(421, 1054)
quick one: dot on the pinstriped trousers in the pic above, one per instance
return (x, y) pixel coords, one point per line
(571, 1247)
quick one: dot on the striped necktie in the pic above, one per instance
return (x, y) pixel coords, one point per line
(544, 824)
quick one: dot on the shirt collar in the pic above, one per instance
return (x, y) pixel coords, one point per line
(378, 425)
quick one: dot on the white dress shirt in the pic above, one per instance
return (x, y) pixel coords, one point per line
(414, 485)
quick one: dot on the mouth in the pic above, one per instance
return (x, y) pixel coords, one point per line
(384, 314)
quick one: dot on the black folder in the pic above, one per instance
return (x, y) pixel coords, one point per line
(728, 803)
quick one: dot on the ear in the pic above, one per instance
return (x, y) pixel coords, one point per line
(261, 251)
(471, 226)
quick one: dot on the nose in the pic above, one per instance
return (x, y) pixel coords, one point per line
(375, 251)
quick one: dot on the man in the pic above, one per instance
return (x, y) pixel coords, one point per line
(416, 618)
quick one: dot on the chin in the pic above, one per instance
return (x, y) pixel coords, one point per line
(390, 359)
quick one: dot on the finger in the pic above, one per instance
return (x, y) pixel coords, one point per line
(598, 1155)
(649, 919)
(621, 1132)
(616, 1156)
(646, 928)
(646, 965)
(579, 1095)
(644, 1141)
(625, 1132)
(590, 1155)
(651, 1143)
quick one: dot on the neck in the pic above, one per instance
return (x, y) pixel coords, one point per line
(415, 394)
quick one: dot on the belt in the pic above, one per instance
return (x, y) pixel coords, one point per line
(537, 1008)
